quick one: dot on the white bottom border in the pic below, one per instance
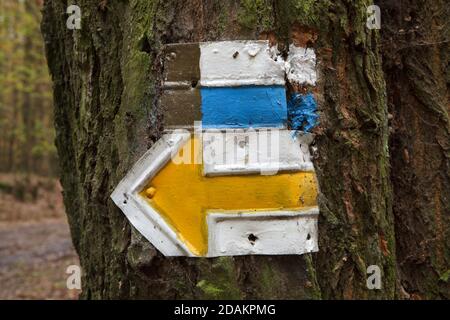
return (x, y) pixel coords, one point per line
(262, 232)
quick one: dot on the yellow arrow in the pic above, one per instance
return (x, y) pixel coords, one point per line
(183, 196)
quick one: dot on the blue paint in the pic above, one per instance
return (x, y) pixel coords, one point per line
(243, 107)
(302, 112)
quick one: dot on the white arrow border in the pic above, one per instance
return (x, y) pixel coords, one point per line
(141, 215)
(155, 229)
(288, 239)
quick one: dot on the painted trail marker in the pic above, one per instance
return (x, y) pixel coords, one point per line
(243, 183)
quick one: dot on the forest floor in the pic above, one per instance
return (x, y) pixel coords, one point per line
(35, 243)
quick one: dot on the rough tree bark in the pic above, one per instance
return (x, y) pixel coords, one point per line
(107, 114)
(416, 53)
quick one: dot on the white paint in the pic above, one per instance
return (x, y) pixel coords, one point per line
(265, 151)
(276, 232)
(252, 65)
(301, 65)
(167, 85)
(256, 63)
(140, 213)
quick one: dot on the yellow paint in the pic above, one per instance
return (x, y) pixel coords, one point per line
(183, 195)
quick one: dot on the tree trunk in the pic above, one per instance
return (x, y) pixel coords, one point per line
(416, 62)
(107, 114)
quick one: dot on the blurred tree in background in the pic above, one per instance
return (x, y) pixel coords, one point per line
(26, 115)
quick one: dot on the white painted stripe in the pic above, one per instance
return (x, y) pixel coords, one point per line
(246, 151)
(270, 232)
(301, 65)
(238, 63)
(140, 213)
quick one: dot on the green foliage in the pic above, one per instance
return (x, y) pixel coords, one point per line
(26, 115)
(256, 13)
